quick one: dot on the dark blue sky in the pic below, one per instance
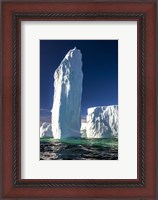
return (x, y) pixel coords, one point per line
(100, 71)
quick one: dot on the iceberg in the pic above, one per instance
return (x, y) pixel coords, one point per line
(46, 130)
(66, 109)
(83, 129)
(102, 122)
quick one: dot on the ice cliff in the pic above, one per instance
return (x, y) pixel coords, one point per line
(102, 122)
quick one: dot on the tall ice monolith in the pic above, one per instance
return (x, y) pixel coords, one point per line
(66, 111)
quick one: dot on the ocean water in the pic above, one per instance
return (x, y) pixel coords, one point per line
(78, 149)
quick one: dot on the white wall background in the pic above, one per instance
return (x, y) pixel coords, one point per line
(123, 168)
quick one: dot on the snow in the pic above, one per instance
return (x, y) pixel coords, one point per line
(46, 130)
(66, 110)
(102, 122)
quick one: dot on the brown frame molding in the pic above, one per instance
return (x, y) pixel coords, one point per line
(145, 14)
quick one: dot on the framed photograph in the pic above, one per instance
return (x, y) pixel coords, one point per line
(79, 100)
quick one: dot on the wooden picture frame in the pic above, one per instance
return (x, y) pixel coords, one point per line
(144, 187)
